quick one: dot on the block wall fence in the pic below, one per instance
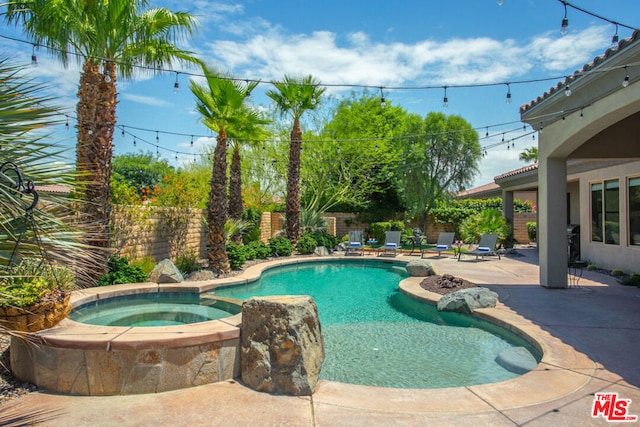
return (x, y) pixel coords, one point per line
(169, 232)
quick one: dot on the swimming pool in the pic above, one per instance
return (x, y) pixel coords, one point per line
(377, 336)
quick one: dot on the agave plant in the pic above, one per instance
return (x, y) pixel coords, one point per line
(312, 221)
(37, 227)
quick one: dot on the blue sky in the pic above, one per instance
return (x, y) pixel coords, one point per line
(376, 43)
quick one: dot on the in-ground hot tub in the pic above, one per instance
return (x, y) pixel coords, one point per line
(97, 360)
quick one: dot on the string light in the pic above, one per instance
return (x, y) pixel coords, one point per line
(625, 82)
(192, 140)
(567, 91)
(176, 85)
(508, 100)
(248, 93)
(134, 141)
(66, 125)
(615, 39)
(383, 103)
(34, 58)
(107, 74)
(564, 26)
(445, 100)
(314, 100)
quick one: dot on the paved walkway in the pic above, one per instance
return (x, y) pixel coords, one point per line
(599, 321)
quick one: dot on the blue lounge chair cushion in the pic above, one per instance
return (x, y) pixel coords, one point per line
(442, 246)
(392, 245)
(484, 249)
(354, 243)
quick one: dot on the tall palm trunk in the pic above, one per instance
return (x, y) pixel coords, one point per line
(235, 189)
(217, 209)
(293, 184)
(96, 112)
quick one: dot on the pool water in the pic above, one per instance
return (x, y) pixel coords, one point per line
(153, 309)
(375, 335)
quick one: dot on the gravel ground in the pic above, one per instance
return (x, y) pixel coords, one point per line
(10, 387)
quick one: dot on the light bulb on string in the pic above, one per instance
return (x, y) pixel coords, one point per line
(34, 58)
(107, 75)
(157, 137)
(615, 39)
(508, 99)
(248, 92)
(445, 100)
(383, 103)
(314, 100)
(567, 91)
(564, 25)
(192, 140)
(134, 141)
(66, 125)
(123, 131)
(625, 82)
(486, 135)
(176, 85)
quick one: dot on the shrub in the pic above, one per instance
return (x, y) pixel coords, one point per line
(121, 272)
(280, 246)
(487, 221)
(306, 244)
(237, 255)
(147, 264)
(532, 231)
(616, 272)
(260, 249)
(325, 239)
(633, 280)
(378, 229)
(188, 262)
(592, 267)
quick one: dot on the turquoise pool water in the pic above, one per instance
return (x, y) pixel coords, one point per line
(377, 336)
(153, 309)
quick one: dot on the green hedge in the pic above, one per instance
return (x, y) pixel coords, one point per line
(378, 229)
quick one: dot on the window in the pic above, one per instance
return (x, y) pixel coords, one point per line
(605, 212)
(634, 211)
(612, 212)
(596, 212)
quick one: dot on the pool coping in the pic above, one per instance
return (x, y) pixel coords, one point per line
(561, 371)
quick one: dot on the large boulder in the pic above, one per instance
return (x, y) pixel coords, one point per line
(420, 268)
(165, 272)
(466, 300)
(281, 344)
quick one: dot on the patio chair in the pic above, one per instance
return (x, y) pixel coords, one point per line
(486, 247)
(355, 243)
(391, 243)
(445, 242)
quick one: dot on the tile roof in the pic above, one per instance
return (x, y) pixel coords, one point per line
(481, 189)
(528, 168)
(586, 68)
(54, 188)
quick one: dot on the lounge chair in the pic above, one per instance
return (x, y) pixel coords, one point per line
(391, 243)
(486, 247)
(445, 242)
(355, 243)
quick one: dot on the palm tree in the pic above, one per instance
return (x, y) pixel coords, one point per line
(529, 154)
(110, 38)
(294, 96)
(222, 105)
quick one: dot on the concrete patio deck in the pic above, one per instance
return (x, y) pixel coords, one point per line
(596, 323)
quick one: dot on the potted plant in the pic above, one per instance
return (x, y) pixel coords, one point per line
(34, 295)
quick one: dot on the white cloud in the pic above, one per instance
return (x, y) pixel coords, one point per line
(355, 59)
(146, 100)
